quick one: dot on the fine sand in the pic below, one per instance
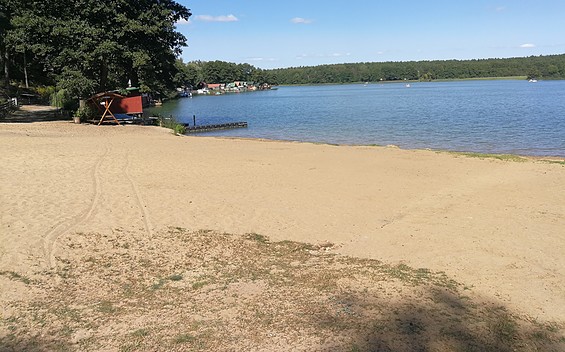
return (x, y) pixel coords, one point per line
(498, 226)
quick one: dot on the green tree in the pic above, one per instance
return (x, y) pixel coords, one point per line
(106, 42)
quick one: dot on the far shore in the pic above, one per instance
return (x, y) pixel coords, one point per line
(508, 78)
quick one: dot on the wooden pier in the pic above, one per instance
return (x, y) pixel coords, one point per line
(208, 128)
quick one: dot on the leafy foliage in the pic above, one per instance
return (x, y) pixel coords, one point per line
(94, 45)
(217, 71)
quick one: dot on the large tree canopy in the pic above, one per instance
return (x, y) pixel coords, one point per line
(102, 45)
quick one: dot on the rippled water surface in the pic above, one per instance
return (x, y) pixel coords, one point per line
(481, 116)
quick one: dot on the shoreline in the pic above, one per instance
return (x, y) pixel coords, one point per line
(470, 154)
(508, 78)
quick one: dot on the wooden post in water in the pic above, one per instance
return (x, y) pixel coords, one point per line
(194, 120)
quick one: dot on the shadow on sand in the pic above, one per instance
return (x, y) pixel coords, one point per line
(205, 291)
(35, 113)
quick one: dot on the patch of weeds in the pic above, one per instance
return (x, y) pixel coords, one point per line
(184, 338)
(401, 271)
(68, 313)
(67, 331)
(558, 162)
(175, 277)
(199, 285)
(422, 273)
(159, 284)
(128, 290)
(505, 329)
(355, 348)
(503, 157)
(106, 307)
(257, 238)
(140, 333)
(441, 279)
(16, 276)
(176, 127)
(131, 347)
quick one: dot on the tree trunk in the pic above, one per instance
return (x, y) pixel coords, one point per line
(6, 60)
(25, 70)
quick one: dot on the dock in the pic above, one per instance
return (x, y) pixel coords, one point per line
(221, 126)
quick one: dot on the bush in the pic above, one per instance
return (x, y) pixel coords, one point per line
(46, 93)
(173, 124)
(63, 100)
(85, 113)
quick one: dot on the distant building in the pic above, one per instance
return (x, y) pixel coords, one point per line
(216, 86)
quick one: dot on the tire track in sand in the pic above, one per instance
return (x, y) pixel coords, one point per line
(65, 225)
(139, 199)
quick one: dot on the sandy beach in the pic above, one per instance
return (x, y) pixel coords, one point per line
(497, 226)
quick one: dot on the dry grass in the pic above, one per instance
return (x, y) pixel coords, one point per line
(205, 291)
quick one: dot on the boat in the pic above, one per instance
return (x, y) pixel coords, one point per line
(533, 80)
(407, 85)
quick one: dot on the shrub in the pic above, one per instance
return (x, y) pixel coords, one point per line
(85, 113)
(173, 124)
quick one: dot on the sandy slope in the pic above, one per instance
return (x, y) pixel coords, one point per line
(495, 225)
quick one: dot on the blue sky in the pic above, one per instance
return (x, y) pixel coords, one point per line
(271, 34)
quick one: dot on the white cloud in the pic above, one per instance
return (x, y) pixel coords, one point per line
(182, 21)
(339, 54)
(261, 59)
(528, 45)
(500, 8)
(305, 56)
(208, 18)
(300, 20)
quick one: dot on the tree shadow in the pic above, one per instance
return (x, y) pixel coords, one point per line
(12, 343)
(29, 116)
(437, 319)
(232, 293)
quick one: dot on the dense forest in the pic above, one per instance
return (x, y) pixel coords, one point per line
(195, 72)
(544, 67)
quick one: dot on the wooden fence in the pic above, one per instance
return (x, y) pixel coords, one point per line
(7, 108)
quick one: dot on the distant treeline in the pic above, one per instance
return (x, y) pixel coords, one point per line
(539, 67)
(195, 72)
(542, 67)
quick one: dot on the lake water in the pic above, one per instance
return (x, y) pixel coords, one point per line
(515, 117)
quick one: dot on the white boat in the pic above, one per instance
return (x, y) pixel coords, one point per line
(533, 80)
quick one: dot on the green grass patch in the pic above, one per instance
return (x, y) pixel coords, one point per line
(172, 123)
(503, 157)
(199, 284)
(184, 338)
(175, 277)
(140, 333)
(257, 238)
